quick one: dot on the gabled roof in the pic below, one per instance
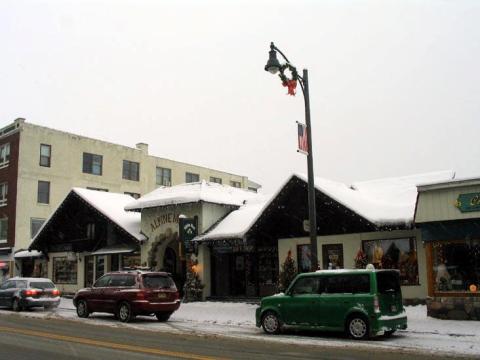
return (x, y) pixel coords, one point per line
(111, 205)
(191, 193)
(383, 202)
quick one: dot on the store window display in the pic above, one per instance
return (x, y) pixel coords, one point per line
(456, 265)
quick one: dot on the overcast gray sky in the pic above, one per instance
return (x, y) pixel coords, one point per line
(395, 85)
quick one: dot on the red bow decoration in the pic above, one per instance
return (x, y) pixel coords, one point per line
(291, 85)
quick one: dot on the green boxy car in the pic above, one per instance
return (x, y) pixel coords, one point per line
(363, 303)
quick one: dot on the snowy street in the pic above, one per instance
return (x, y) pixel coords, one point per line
(237, 320)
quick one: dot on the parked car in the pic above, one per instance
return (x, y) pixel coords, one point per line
(24, 293)
(363, 303)
(129, 293)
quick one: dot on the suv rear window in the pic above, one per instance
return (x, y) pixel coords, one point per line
(158, 282)
(388, 282)
(42, 285)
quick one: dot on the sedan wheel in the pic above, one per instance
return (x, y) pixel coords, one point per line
(125, 312)
(82, 309)
(358, 328)
(271, 324)
(16, 305)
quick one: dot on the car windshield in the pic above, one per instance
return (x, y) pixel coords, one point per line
(388, 282)
(158, 282)
(42, 285)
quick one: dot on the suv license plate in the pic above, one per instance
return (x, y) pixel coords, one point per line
(162, 295)
(394, 308)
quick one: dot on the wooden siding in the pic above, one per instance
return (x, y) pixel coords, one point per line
(439, 205)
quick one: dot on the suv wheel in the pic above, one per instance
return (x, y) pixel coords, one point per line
(163, 316)
(124, 312)
(82, 309)
(271, 324)
(357, 327)
(16, 305)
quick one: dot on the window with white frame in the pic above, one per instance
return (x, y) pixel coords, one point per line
(4, 154)
(3, 193)
(35, 225)
(92, 164)
(236, 184)
(131, 170)
(190, 177)
(45, 154)
(214, 179)
(3, 230)
(164, 176)
(43, 193)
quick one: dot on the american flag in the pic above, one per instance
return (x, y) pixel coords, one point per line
(302, 138)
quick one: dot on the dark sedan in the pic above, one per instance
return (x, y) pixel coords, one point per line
(23, 293)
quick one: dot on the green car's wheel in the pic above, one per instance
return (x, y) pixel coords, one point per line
(271, 324)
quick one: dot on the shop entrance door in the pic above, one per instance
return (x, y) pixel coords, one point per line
(237, 271)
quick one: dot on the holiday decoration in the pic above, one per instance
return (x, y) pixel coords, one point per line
(289, 83)
(193, 286)
(289, 271)
(360, 260)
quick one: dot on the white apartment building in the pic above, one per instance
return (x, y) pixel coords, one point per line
(39, 166)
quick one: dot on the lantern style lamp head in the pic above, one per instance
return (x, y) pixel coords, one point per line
(273, 66)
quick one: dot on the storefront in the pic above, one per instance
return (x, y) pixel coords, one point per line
(88, 235)
(448, 215)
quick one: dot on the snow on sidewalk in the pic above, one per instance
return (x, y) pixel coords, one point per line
(238, 320)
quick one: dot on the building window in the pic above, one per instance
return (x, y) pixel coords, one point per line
(456, 265)
(190, 177)
(132, 194)
(3, 230)
(91, 231)
(97, 189)
(43, 195)
(164, 176)
(131, 170)
(253, 189)
(64, 271)
(215, 180)
(99, 266)
(35, 225)
(45, 155)
(92, 164)
(304, 258)
(399, 254)
(3, 193)
(4, 154)
(236, 184)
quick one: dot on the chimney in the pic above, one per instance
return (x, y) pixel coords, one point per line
(143, 147)
(19, 121)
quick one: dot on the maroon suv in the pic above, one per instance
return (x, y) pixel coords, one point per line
(129, 293)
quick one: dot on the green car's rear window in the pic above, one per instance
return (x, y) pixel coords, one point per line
(388, 282)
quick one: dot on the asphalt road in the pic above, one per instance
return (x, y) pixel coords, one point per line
(48, 339)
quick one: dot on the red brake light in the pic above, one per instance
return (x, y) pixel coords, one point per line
(31, 292)
(56, 292)
(376, 304)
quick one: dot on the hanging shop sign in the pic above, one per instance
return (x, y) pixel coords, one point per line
(468, 202)
(188, 230)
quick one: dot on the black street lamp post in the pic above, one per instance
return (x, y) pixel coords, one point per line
(273, 66)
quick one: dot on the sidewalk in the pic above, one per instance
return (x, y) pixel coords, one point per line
(238, 320)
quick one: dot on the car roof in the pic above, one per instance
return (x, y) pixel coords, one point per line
(30, 279)
(138, 272)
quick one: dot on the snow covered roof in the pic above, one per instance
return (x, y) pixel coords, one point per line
(192, 192)
(383, 202)
(112, 206)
